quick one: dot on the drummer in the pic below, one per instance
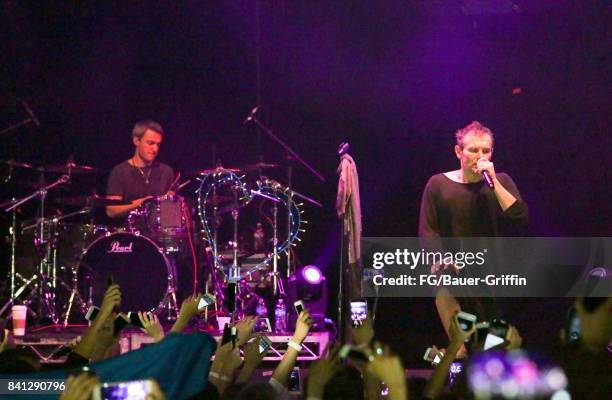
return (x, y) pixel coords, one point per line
(141, 177)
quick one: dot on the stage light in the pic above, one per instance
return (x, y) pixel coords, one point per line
(312, 274)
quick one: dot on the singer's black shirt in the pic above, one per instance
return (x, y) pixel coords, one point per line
(453, 209)
(128, 182)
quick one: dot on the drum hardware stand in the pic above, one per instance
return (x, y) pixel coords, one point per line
(45, 280)
(169, 302)
(74, 294)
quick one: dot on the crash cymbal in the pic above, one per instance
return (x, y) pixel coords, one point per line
(71, 168)
(16, 164)
(216, 170)
(260, 165)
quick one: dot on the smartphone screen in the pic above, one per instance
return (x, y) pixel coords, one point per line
(294, 384)
(92, 313)
(466, 320)
(359, 312)
(299, 306)
(492, 341)
(264, 344)
(135, 390)
(205, 301)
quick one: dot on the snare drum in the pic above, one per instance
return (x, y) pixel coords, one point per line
(134, 262)
(162, 217)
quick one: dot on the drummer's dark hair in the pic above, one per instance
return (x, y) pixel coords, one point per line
(141, 127)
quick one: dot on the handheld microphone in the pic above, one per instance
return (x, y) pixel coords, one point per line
(488, 179)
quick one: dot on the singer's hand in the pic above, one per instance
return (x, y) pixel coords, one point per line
(485, 165)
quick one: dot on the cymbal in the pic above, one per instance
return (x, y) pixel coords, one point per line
(217, 170)
(260, 165)
(12, 163)
(89, 200)
(71, 167)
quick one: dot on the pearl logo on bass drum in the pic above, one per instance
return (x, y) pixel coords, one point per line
(115, 247)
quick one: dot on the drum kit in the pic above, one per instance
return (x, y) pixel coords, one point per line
(231, 232)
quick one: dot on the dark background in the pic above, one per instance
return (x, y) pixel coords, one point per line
(394, 78)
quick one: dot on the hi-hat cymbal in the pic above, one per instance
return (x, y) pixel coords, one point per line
(16, 164)
(260, 165)
(71, 168)
(89, 200)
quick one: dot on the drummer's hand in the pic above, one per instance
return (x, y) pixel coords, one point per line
(112, 299)
(140, 201)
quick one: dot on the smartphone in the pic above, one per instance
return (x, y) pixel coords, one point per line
(498, 327)
(359, 312)
(264, 344)
(109, 281)
(81, 370)
(134, 319)
(205, 301)
(92, 313)
(573, 330)
(454, 371)
(348, 351)
(482, 330)
(229, 334)
(433, 356)
(299, 307)
(134, 390)
(121, 321)
(294, 384)
(466, 320)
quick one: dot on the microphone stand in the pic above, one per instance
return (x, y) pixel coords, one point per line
(285, 146)
(17, 125)
(291, 155)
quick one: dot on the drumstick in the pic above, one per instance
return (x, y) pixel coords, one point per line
(182, 185)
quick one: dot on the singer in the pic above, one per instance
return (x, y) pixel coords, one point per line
(461, 203)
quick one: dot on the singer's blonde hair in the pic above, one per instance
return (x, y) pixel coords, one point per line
(475, 128)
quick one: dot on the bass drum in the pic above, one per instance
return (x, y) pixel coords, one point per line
(132, 261)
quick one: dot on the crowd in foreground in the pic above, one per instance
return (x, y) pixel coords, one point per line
(193, 366)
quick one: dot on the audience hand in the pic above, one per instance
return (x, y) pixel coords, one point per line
(363, 334)
(514, 339)
(321, 372)
(79, 387)
(151, 325)
(457, 335)
(302, 327)
(389, 369)
(252, 356)
(112, 299)
(189, 308)
(244, 328)
(4, 344)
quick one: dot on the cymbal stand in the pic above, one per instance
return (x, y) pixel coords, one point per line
(13, 232)
(275, 249)
(45, 281)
